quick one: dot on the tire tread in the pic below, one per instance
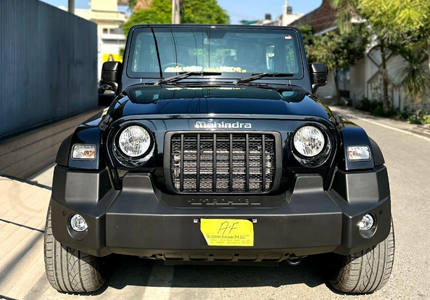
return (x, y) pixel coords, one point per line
(366, 271)
(69, 270)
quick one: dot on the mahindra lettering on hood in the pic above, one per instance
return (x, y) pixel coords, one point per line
(217, 150)
(222, 125)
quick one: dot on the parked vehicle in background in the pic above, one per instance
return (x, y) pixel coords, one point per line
(216, 150)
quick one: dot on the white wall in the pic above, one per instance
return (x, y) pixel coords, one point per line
(48, 69)
(358, 81)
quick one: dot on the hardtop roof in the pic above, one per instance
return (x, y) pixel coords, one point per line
(216, 26)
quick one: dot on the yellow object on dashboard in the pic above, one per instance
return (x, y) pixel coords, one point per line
(112, 57)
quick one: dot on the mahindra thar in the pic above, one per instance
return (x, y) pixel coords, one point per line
(216, 150)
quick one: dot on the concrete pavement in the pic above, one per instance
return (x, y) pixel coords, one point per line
(22, 213)
(407, 159)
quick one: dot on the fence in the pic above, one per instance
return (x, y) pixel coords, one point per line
(48, 65)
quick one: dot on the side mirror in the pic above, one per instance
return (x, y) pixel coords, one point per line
(111, 74)
(318, 75)
(106, 94)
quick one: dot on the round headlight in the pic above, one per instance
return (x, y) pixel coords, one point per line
(134, 141)
(309, 141)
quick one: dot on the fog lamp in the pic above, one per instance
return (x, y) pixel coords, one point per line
(366, 222)
(78, 223)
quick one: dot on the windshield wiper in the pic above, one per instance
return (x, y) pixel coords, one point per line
(262, 75)
(183, 76)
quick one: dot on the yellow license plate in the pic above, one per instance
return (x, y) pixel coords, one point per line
(227, 232)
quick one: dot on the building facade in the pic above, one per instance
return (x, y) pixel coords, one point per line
(285, 19)
(109, 20)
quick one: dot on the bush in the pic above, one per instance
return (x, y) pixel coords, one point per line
(368, 105)
(419, 118)
(379, 111)
(405, 115)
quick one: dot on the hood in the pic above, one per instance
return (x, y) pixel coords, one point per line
(175, 100)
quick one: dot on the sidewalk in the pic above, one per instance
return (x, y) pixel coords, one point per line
(23, 208)
(352, 113)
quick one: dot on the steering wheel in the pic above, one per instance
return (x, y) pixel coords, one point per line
(165, 66)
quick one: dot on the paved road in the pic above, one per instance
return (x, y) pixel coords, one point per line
(408, 161)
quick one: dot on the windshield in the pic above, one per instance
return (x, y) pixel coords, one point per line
(233, 52)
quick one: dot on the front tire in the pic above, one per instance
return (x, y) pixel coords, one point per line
(69, 270)
(363, 272)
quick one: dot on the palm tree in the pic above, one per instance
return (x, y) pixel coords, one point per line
(414, 74)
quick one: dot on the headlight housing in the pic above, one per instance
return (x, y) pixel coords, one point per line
(311, 146)
(132, 144)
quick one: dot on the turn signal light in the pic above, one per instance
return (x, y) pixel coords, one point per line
(84, 152)
(358, 153)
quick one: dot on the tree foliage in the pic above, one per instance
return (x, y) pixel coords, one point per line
(194, 12)
(399, 27)
(414, 75)
(396, 16)
(337, 50)
(307, 34)
(132, 4)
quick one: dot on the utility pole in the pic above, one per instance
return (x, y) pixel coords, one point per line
(72, 6)
(176, 12)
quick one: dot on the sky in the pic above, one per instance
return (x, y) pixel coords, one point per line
(237, 9)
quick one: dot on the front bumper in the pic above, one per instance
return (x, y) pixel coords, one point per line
(141, 220)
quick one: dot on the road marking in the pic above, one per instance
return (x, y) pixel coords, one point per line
(391, 127)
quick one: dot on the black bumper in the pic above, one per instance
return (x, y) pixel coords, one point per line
(142, 221)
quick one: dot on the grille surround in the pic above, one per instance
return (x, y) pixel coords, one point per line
(236, 183)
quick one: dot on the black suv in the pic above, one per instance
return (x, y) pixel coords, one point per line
(216, 150)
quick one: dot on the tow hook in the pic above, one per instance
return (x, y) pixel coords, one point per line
(294, 261)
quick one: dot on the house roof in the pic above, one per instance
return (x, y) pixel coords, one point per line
(320, 19)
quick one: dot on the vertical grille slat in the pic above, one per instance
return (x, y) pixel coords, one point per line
(263, 161)
(182, 163)
(198, 164)
(230, 182)
(222, 162)
(247, 163)
(214, 154)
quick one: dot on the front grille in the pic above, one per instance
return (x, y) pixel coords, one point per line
(222, 162)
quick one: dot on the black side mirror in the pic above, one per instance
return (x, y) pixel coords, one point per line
(111, 74)
(318, 75)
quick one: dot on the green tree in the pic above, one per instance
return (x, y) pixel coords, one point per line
(414, 74)
(308, 34)
(338, 50)
(408, 24)
(194, 12)
(396, 25)
(132, 4)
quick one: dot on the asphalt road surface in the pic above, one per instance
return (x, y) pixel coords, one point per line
(408, 162)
